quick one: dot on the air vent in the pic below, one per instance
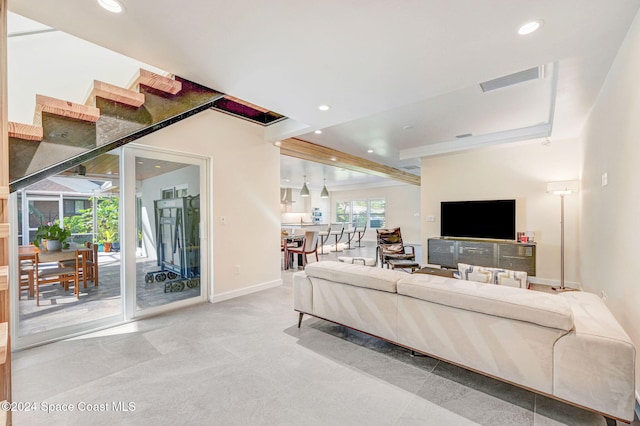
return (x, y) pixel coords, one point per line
(411, 167)
(511, 79)
(464, 135)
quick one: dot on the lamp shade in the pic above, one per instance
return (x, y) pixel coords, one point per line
(304, 192)
(325, 191)
(565, 187)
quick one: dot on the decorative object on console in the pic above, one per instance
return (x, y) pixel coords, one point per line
(562, 188)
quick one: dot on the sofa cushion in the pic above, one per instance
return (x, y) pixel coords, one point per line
(356, 275)
(481, 274)
(500, 276)
(508, 302)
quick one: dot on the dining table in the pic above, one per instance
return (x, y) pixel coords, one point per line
(45, 256)
(27, 259)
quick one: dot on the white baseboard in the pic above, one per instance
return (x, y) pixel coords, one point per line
(244, 291)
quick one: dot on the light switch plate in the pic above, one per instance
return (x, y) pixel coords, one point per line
(605, 179)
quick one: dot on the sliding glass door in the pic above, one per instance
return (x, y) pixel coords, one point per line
(143, 210)
(88, 207)
(166, 239)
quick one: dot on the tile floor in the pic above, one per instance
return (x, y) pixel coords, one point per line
(245, 362)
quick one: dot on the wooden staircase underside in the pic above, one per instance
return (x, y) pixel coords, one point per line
(65, 134)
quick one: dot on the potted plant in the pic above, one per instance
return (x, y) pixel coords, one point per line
(108, 220)
(109, 238)
(52, 236)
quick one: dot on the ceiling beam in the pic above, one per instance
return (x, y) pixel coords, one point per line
(304, 150)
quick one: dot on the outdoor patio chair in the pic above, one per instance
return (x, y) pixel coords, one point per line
(90, 264)
(56, 274)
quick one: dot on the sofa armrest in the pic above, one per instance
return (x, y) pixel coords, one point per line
(302, 293)
(594, 364)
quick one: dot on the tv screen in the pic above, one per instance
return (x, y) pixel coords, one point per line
(494, 219)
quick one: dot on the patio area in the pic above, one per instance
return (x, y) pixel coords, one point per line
(61, 308)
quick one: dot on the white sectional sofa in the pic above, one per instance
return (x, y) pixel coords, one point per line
(567, 346)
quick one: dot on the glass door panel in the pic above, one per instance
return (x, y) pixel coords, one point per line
(167, 232)
(59, 310)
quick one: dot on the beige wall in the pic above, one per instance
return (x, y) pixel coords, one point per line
(515, 171)
(611, 214)
(245, 182)
(403, 204)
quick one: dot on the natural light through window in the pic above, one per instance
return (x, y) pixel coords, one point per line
(361, 212)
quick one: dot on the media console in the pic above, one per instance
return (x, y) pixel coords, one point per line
(448, 252)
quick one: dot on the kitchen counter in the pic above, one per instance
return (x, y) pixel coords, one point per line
(303, 224)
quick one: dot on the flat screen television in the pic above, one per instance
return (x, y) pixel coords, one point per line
(491, 219)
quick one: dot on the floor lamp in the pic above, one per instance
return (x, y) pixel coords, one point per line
(562, 189)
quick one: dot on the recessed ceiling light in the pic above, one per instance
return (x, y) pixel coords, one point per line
(333, 159)
(530, 27)
(139, 162)
(324, 107)
(318, 132)
(370, 151)
(113, 6)
(157, 167)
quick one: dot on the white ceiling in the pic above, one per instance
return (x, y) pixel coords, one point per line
(401, 77)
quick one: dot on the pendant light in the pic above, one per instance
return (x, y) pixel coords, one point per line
(325, 192)
(304, 192)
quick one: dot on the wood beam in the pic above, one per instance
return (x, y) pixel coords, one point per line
(115, 93)
(304, 150)
(64, 108)
(25, 131)
(156, 81)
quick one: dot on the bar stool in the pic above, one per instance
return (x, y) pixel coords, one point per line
(338, 235)
(324, 236)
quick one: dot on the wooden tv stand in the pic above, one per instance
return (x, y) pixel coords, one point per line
(448, 252)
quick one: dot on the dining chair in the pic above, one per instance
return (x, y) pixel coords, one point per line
(290, 242)
(57, 274)
(27, 278)
(310, 246)
(88, 266)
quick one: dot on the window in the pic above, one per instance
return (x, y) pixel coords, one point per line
(178, 191)
(342, 211)
(361, 212)
(377, 212)
(73, 206)
(359, 215)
